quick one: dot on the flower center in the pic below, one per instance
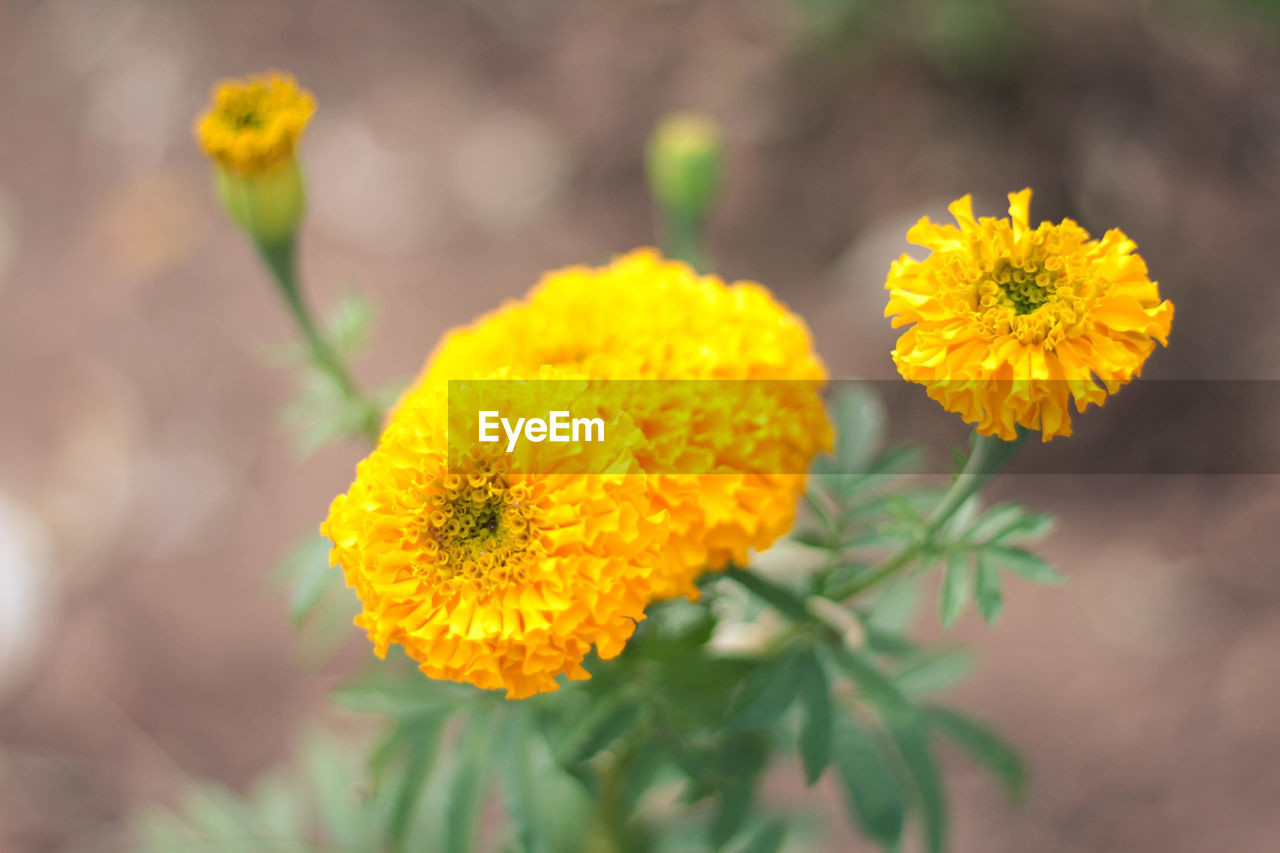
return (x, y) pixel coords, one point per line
(1025, 286)
(1036, 300)
(477, 530)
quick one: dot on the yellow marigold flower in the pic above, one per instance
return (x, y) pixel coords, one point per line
(489, 577)
(1009, 322)
(644, 317)
(254, 124)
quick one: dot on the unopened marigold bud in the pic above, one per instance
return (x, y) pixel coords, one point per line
(685, 161)
(269, 205)
(251, 132)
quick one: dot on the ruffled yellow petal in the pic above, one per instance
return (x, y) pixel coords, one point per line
(498, 579)
(253, 125)
(644, 317)
(1007, 323)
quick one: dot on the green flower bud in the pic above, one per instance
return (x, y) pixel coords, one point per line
(685, 162)
(269, 205)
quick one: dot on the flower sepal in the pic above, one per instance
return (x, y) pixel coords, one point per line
(268, 205)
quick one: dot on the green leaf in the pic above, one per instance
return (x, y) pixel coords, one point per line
(935, 671)
(519, 782)
(894, 461)
(786, 602)
(818, 501)
(909, 737)
(896, 606)
(328, 771)
(1023, 563)
(877, 686)
(307, 571)
(859, 418)
(983, 745)
(955, 588)
(768, 691)
(401, 698)
(912, 741)
(816, 730)
(742, 756)
(423, 739)
(987, 589)
(963, 518)
(605, 720)
(1030, 527)
(873, 799)
(823, 540)
(348, 324)
(466, 789)
(767, 839)
(883, 641)
(994, 521)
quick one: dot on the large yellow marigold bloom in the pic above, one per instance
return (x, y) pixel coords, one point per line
(254, 124)
(1009, 322)
(494, 578)
(644, 317)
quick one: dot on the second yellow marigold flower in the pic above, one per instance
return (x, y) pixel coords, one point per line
(1009, 323)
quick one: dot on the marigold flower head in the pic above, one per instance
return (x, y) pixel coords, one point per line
(644, 317)
(490, 577)
(1009, 322)
(254, 124)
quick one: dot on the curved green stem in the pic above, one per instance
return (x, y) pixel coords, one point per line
(281, 259)
(988, 456)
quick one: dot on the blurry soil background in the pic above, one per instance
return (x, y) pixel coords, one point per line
(147, 488)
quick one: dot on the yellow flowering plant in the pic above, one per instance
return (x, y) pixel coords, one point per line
(554, 624)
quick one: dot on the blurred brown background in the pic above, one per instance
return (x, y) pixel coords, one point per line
(147, 489)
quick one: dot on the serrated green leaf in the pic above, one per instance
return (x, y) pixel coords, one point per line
(766, 694)
(816, 729)
(955, 588)
(934, 671)
(909, 737)
(987, 589)
(873, 799)
(963, 517)
(1030, 527)
(1022, 563)
(912, 741)
(993, 521)
(982, 744)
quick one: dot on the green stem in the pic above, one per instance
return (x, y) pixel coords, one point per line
(683, 238)
(281, 259)
(988, 456)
